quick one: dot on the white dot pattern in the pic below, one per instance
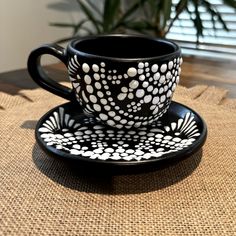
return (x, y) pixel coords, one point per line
(89, 139)
(149, 85)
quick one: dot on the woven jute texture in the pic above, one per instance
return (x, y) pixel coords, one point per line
(40, 195)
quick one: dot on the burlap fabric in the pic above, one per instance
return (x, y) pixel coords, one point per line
(41, 196)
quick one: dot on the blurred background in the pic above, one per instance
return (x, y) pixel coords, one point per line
(202, 28)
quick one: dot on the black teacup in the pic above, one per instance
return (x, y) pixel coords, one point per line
(125, 81)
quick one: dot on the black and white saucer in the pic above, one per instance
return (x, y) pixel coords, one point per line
(65, 132)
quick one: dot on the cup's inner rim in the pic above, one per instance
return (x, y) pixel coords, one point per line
(82, 46)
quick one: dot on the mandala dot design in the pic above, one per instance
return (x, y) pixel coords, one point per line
(88, 138)
(147, 84)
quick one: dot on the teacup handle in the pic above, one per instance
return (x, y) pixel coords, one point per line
(38, 75)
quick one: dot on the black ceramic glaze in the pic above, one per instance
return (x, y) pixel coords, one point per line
(125, 81)
(66, 133)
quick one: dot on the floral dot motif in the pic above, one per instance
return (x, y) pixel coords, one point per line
(86, 137)
(99, 84)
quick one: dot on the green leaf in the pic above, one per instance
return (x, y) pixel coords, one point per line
(182, 4)
(214, 12)
(129, 12)
(111, 9)
(89, 15)
(166, 11)
(95, 8)
(78, 26)
(197, 20)
(231, 3)
(63, 25)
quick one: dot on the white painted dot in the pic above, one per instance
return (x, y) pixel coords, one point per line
(110, 150)
(140, 65)
(162, 79)
(177, 79)
(102, 64)
(169, 93)
(96, 76)
(84, 97)
(181, 61)
(106, 87)
(85, 67)
(103, 116)
(140, 71)
(155, 91)
(170, 65)
(118, 82)
(142, 77)
(132, 72)
(97, 107)
(155, 111)
(140, 93)
(179, 71)
(161, 90)
(87, 79)
(146, 64)
(117, 118)
(103, 76)
(103, 101)
(108, 93)
(111, 122)
(147, 98)
(98, 151)
(124, 90)
(129, 151)
(152, 107)
(163, 68)
(150, 79)
(150, 88)
(126, 76)
(89, 88)
(98, 85)
(163, 98)
(122, 96)
(100, 94)
(134, 84)
(131, 122)
(102, 70)
(155, 100)
(110, 99)
(130, 95)
(95, 68)
(123, 121)
(145, 84)
(92, 98)
(168, 75)
(174, 87)
(157, 76)
(107, 108)
(154, 68)
(111, 113)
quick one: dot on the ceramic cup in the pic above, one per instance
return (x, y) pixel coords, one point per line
(125, 81)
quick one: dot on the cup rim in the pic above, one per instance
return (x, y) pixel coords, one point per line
(71, 47)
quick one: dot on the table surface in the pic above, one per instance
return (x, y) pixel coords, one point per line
(194, 71)
(40, 195)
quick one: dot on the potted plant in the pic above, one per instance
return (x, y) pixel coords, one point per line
(152, 17)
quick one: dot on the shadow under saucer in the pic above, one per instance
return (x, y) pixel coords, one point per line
(95, 180)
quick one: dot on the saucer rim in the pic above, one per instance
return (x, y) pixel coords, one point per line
(175, 156)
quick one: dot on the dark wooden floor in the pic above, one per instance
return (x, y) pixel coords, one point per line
(194, 71)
